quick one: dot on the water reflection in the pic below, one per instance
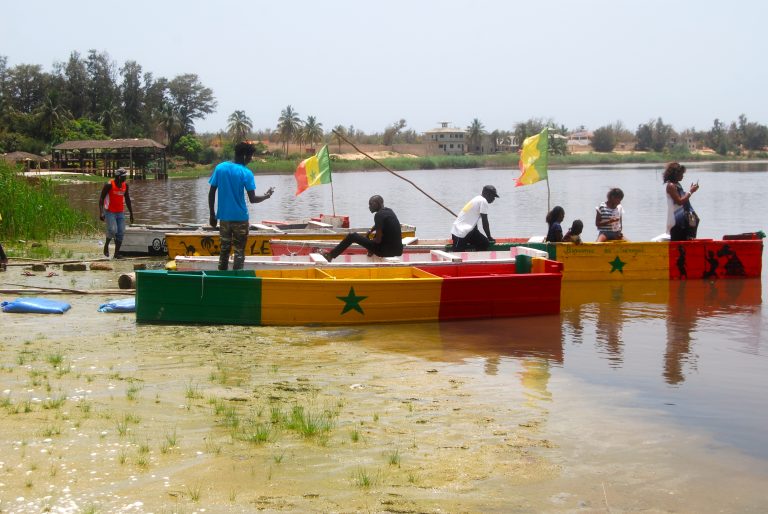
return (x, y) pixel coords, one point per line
(610, 309)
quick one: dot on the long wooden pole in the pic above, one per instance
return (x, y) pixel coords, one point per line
(341, 136)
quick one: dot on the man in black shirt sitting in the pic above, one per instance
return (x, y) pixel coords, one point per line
(387, 237)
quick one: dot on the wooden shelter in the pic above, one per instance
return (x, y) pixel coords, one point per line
(139, 157)
(30, 161)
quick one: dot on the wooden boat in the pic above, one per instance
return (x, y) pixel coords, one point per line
(620, 260)
(197, 243)
(150, 239)
(431, 258)
(342, 296)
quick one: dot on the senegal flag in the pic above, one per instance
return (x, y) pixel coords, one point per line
(313, 171)
(533, 159)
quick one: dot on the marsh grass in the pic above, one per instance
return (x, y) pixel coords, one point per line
(192, 391)
(54, 359)
(212, 447)
(50, 431)
(256, 433)
(354, 435)
(362, 478)
(132, 391)
(308, 423)
(54, 403)
(194, 492)
(394, 458)
(36, 211)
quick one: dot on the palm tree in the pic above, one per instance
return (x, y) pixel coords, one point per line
(288, 125)
(51, 115)
(340, 131)
(239, 126)
(170, 121)
(475, 133)
(313, 131)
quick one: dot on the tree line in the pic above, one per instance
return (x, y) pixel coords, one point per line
(91, 97)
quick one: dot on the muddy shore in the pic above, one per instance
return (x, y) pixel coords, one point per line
(99, 414)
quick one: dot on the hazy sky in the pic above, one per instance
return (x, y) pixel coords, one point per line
(588, 62)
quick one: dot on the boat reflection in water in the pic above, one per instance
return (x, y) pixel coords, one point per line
(602, 311)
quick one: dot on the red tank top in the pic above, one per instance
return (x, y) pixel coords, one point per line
(115, 200)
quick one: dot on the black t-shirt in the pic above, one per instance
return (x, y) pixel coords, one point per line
(391, 244)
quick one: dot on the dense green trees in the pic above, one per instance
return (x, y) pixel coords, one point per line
(39, 109)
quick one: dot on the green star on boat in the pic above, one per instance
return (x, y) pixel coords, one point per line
(351, 302)
(617, 265)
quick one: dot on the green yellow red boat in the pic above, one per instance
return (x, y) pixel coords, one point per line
(341, 296)
(730, 257)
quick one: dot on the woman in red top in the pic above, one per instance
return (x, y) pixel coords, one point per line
(112, 202)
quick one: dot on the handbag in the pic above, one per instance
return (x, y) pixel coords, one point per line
(691, 219)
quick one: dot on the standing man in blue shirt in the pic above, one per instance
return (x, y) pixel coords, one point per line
(230, 179)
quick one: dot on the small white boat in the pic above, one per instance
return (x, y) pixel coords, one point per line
(356, 260)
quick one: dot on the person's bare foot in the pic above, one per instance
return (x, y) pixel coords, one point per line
(327, 255)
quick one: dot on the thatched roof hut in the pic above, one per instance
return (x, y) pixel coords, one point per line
(138, 156)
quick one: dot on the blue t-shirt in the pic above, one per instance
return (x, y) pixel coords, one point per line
(232, 180)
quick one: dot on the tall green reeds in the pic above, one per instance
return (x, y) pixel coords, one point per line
(35, 211)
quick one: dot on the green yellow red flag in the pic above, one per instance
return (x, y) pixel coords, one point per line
(533, 159)
(313, 171)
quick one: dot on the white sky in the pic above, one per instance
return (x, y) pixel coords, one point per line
(588, 62)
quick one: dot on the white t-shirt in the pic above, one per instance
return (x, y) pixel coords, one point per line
(469, 216)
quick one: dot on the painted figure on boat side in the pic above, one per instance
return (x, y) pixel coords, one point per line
(465, 232)
(231, 180)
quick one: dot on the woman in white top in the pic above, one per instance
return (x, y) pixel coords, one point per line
(682, 221)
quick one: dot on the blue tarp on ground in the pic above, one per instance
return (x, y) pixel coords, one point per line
(125, 305)
(35, 305)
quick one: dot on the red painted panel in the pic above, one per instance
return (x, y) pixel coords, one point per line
(495, 296)
(715, 259)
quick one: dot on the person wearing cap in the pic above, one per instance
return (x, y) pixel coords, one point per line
(465, 232)
(112, 203)
(231, 179)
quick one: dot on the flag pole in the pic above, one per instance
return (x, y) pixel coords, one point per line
(333, 202)
(547, 192)
(392, 172)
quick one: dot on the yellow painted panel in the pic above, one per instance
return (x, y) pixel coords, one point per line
(193, 243)
(614, 261)
(349, 301)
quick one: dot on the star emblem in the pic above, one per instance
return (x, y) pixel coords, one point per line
(351, 302)
(617, 265)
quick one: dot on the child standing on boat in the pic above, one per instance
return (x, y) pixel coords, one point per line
(609, 217)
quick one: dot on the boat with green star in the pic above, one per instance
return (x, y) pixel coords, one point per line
(345, 296)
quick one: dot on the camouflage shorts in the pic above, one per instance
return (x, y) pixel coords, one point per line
(234, 236)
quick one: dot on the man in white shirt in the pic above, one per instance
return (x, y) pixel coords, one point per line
(465, 232)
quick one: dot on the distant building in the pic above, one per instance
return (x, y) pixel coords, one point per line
(579, 141)
(445, 140)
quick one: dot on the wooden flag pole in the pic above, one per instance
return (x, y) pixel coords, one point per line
(392, 172)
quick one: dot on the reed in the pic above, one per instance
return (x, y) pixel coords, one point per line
(36, 211)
